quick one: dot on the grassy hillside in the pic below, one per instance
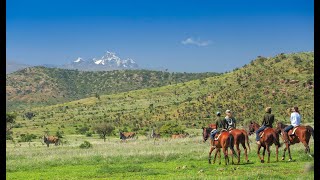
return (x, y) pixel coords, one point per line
(280, 82)
(37, 86)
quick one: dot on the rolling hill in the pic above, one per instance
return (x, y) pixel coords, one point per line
(38, 86)
(280, 82)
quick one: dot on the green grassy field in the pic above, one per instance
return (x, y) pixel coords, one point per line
(145, 159)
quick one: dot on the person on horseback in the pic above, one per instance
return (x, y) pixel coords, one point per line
(220, 125)
(267, 121)
(230, 121)
(295, 119)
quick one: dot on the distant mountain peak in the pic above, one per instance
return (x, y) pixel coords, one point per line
(109, 61)
(78, 60)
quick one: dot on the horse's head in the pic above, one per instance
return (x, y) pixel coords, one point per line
(252, 127)
(280, 126)
(205, 133)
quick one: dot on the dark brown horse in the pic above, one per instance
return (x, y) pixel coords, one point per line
(240, 136)
(224, 141)
(302, 134)
(269, 137)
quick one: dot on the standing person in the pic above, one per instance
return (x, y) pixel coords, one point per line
(267, 121)
(219, 124)
(295, 119)
(230, 121)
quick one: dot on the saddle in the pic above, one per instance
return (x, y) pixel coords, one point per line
(223, 130)
(262, 132)
(293, 131)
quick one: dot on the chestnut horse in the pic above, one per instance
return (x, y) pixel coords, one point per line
(240, 136)
(225, 140)
(270, 137)
(302, 134)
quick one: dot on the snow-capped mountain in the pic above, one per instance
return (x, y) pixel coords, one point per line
(109, 61)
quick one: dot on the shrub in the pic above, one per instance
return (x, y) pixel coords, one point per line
(27, 137)
(88, 134)
(85, 145)
(170, 128)
(59, 134)
(82, 130)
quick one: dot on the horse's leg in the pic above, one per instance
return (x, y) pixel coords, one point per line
(277, 152)
(245, 151)
(238, 151)
(215, 155)
(290, 159)
(263, 153)
(258, 152)
(225, 152)
(307, 148)
(211, 149)
(268, 149)
(219, 155)
(284, 152)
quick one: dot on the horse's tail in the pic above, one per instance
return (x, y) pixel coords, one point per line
(310, 130)
(246, 138)
(276, 139)
(231, 145)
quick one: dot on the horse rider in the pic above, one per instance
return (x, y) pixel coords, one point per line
(230, 121)
(267, 121)
(220, 124)
(295, 119)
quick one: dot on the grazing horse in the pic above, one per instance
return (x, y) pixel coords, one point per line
(127, 135)
(51, 140)
(268, 138)
(240, 137)
(224, 141)
(176, 136)
(302, 134)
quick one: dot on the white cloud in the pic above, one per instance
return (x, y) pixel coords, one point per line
(197, 42)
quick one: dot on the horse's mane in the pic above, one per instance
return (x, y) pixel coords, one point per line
(282, 125)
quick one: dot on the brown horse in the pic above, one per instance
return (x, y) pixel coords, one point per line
(51, 140)
(126, 135)
(269, 137)
(224, 141)
(240, 137)
(302, 134)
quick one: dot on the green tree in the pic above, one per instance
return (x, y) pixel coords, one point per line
(103, 130)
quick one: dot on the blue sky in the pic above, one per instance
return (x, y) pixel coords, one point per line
(181, 35)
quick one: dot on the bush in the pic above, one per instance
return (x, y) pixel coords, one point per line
(85, 145)
(27, 137)
(170, 128)
(82, 130)
(88, 134)
(59, 134)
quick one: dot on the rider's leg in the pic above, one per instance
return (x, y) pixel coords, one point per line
(285, 131)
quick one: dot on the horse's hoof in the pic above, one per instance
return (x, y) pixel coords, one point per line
(219, 163)
(290, 160)
(282, 158)
(248, 161)
(262, 161)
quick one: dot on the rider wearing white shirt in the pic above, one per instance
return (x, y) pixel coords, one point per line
(295, 119)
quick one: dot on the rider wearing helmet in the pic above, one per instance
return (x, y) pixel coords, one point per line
(230, 121)
(219, 124)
